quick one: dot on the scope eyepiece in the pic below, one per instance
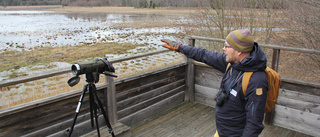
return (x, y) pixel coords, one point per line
(75, 68)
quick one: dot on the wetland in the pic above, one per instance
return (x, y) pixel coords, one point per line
(36, 41)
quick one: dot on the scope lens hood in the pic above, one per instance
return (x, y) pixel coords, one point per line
(73, 81)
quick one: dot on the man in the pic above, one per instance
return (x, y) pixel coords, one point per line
(237, 114)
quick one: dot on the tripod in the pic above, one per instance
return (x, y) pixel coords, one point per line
(93, 106)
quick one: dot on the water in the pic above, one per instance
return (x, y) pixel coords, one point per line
(24, 30)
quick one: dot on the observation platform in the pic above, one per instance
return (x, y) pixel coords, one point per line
(188, 119)
(175, 100)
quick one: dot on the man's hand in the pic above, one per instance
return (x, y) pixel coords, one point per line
(172, 45)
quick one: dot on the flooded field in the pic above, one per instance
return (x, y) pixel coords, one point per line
(26, 31)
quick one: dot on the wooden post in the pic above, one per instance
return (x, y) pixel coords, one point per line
(275, 59)
(189, 96)
(274, 65)
(110, 95)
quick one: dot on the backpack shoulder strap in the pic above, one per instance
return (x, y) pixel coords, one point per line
(245, 81)
(228, 66)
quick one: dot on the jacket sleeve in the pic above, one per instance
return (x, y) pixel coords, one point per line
(255, 97)
(214, 59)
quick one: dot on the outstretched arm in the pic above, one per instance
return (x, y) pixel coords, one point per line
(214, 59)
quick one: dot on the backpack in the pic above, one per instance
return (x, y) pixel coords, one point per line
(273, 84)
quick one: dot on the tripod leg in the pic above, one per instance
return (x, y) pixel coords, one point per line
(96, 118)
(102, 110)
(91, 105)
(78, 109)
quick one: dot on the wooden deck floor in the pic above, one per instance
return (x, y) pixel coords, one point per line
(193, 120)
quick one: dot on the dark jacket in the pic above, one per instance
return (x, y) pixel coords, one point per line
(241, 115)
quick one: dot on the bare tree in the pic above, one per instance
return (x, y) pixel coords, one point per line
(304, 22)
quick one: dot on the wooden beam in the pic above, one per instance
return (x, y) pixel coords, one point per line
(301, 82)
(275, 59)
(297, 120)
(111, 100)
(189, 96)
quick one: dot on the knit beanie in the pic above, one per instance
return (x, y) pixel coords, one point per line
(241, 40)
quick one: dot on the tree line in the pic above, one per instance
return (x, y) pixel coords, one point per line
(135, 3)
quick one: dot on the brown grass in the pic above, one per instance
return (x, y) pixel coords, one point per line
(16, 59)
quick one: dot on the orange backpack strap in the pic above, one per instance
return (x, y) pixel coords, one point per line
(228, 66)
(245, 81)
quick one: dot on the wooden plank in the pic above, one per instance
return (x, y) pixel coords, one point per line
(299, 105)
(153, 109)
(308, 84)
(208, 77)
(170, 119)
(206, 95)
(147, 87)
(304, 122)
(120, 130)
(59, 127)
(38, 118)
(178, 125)
(32, 116)
(189, 119)
(206, 91)
(45, 101)
(276, 131)
(148, 78)
(149, 102)
(152, 92)
(83, 128)
(151, 72)
(299, 96)
(170, 114)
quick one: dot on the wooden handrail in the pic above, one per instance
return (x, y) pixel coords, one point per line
(303, 50)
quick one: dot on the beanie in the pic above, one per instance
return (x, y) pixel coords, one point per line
(241, 40)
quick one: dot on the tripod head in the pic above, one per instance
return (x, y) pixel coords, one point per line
(92, 70)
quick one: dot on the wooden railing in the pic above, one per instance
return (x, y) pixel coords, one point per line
(157, 90)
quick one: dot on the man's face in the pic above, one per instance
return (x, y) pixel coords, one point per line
(232, 55)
